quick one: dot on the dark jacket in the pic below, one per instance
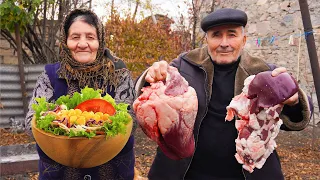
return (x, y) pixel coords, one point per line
(197, 68)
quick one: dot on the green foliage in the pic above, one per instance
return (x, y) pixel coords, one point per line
(142, 43)
(17, 12)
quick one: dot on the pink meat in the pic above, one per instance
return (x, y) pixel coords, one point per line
(258, 121)
(166, 112)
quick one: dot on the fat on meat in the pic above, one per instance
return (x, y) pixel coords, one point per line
(257, 128)
(166, 112)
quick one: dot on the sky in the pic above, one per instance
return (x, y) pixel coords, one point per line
(173, 8)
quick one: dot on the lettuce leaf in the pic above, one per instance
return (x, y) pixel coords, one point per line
(42, 106)
(118, 125)
(59, 131)
(89, 93)
(122, 107)
(81, 134)
(108, 98)
(44, 122)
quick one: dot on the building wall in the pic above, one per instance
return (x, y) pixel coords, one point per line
(7, 53)
(281, 19)
(11, 104)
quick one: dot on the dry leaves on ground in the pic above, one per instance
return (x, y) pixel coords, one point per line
(298, 160)
(8, 138)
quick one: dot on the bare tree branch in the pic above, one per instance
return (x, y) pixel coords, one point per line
(135, 10)
(7, 35)
(212, 6)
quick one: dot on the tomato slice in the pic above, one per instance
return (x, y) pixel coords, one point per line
(97, 105)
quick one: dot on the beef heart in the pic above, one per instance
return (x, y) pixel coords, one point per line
(166, 112)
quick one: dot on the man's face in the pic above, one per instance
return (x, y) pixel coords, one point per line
(225, 43)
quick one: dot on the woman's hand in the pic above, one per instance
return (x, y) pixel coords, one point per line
(293, 100)
(157, 72)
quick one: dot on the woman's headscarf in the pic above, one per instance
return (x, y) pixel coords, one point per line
(97, 74)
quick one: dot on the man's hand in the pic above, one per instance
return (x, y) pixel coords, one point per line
(157, 72)
(293, 100)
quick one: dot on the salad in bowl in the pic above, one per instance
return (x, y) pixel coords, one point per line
(85, 114)
(81, 131)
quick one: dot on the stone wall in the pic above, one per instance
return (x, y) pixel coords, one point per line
(281, 19)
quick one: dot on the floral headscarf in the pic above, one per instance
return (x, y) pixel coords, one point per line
(97, 74)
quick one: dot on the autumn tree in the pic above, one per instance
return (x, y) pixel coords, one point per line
(142, 43)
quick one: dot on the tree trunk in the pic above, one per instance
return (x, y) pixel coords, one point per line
(21, 69)
(194, 24)
(44, 23)
(52, 40)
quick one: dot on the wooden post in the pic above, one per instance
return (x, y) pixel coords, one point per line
(311, 46)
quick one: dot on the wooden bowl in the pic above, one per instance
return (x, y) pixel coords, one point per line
(80, 152)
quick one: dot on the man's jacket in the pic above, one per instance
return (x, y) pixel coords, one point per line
(197, 68)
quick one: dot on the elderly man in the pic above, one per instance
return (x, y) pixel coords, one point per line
(217, 72)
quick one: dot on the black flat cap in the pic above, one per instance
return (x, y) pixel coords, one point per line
(222, 17)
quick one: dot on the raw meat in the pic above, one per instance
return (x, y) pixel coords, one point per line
(166, 112)
(258, 108)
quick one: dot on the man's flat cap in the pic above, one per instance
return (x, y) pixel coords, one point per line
(222, 17)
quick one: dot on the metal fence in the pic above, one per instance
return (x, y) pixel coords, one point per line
(10, 91)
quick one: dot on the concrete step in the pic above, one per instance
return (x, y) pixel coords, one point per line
(18, 159)
(19, 164)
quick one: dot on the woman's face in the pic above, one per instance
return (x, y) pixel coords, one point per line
(83, 41)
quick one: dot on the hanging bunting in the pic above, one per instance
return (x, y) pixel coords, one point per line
(272, 39)
(258, 43)
(291, 40)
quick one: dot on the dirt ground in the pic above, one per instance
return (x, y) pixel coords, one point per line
(299, 153)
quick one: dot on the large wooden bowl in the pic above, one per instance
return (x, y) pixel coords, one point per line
(80, 152)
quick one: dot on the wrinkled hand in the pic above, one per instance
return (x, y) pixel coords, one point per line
(157, 72)
(293, 100)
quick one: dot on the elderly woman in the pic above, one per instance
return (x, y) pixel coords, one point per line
(84, 61)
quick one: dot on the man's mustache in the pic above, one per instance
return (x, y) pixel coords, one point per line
(228, 50)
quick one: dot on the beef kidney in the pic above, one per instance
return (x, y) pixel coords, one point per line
(166, 112)
(269, 91)
(258, 108)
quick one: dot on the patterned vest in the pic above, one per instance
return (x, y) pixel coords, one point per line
(120, 167)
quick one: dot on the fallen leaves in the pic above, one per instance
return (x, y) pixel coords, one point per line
(299, 159)
(8, 138)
